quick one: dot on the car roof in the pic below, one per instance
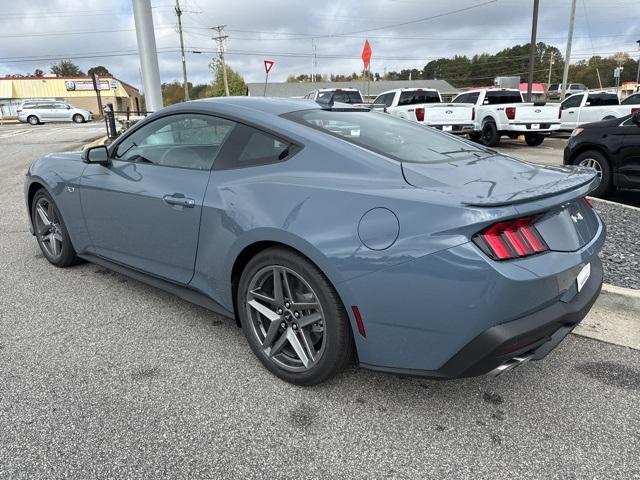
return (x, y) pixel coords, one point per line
(268, 105)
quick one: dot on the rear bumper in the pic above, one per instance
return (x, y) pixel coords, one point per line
(527, 127)
(460, 128)
(535, 334)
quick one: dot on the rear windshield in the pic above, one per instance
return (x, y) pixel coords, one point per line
(343, 96)
(386, 135)
(554, 86)
(500, 98)
(417, 97)
(603, 99)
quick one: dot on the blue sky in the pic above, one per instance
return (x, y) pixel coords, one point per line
(36, 33)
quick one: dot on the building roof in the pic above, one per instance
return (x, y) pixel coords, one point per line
(56, 87)
(298, 89)
(535, 87)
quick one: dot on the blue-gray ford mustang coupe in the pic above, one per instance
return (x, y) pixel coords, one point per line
(332, 233)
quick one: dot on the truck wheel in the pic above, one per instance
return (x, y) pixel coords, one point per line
(597, 161)
(533, 139)
(490, 135)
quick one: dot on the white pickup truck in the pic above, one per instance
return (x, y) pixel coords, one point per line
(424, 105)
(590, 107)
(339, 95)
(501, 111)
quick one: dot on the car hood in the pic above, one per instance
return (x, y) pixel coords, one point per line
(495, 180)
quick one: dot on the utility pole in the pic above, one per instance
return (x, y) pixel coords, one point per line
(184, 61)
(220, 39)
(550, 65)
(567, 55)
(638, 74)
(148, 54)
(532, 50)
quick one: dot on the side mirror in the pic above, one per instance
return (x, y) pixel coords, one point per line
(635, 118)
(98, 155)
(68, 107)
(485, 102)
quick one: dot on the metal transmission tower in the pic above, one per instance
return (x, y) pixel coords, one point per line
(148, 54)
(220, 39)
(178, 11)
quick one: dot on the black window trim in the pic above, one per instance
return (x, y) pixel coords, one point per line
(298, 146)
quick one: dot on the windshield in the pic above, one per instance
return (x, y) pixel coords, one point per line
(342, 96)
(392, 137)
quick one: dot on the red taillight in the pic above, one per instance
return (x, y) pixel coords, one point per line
(359, 322)
(420, 114)
(19, 110)
(588, 202)
(473, 113)
(634, 110)
(511, 239)
(511, 112)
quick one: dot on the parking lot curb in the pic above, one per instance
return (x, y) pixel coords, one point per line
(615, 317)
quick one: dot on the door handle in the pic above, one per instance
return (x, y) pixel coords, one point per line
(179, 199)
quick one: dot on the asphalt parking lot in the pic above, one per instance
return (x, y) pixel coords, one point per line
(104, 377)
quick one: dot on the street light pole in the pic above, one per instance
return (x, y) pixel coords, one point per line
(567, 56)
(532, 51)
(550, 65)
(148, 54)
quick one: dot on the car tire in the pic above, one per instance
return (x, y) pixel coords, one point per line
(490, 135)
(77, 118)
(33, 120)
(272, 321)
(51, 231)
(533, 139)
(596, 160)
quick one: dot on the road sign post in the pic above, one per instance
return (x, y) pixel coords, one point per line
(366, 60)
(268, 64)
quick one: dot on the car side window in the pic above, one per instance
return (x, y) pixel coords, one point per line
(572, 102)
(632, 100)
(182, 140)
(250, 147)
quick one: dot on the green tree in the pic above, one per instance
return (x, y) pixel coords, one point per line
(98, 70)
(66, 68)
(235, 80)
(38, 73)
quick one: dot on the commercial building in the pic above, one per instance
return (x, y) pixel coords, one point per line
(77, 91)
(369, 91)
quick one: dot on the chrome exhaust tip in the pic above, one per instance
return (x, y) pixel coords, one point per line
(510, 364)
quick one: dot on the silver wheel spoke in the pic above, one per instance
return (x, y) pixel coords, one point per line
(277, 285)
(308, 345)
(260, 296)
(297, 347)
(266, 311)
(277, 346)
(309, 319)
(44, 218)
(272, 333)
(53, 244)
